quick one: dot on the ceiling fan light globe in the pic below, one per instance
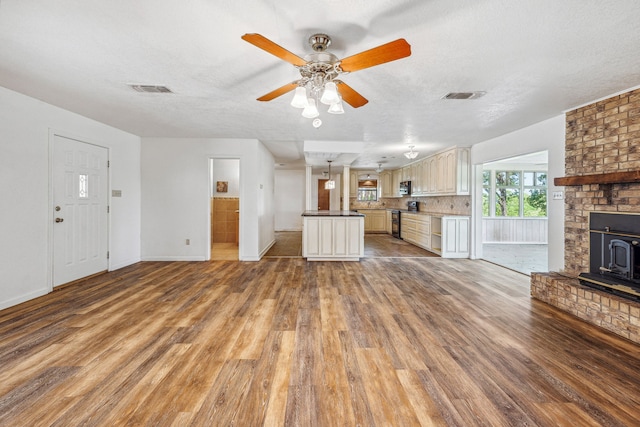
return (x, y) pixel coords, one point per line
(330, 94)
(310, 111)
(300, 98)
(336, 108)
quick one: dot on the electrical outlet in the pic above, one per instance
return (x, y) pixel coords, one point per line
(188, 242)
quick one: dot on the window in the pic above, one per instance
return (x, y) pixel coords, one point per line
(368, 190)
(83, 186)
(514, 193)
(535, 194)
(507, 193)
(486, 192)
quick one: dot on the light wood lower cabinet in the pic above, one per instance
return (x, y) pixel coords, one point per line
(375, 220)
(333, 238)
(416, 229)
(447, 236)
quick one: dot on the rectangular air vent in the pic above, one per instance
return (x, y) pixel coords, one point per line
(463, 95)
(151, 89)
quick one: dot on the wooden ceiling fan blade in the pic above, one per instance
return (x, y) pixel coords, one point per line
(349, 95)
(274, 49)
(280, 91)
(378, 55)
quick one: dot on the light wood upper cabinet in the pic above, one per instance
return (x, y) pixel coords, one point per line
(353, 184)
(386, 184)
(416, 179)
(444, 174)
(395, 182)
(432, 182)
(406, 174)
(449, 172)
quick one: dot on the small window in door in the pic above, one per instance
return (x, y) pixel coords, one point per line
(83, 186)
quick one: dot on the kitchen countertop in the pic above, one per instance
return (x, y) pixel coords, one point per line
(332, 213)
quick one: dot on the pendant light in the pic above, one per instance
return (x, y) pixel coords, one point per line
(330, 184)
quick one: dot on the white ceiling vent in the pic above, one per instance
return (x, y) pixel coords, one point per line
(464, 95)
(151, 89)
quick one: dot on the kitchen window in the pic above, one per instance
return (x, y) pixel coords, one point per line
(368, 190)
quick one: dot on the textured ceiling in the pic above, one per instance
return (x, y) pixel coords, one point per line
(534, 59)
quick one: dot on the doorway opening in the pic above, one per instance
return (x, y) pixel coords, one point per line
(514, 212)
(224, 176)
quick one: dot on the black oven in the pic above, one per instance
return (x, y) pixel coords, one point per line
(395, 224)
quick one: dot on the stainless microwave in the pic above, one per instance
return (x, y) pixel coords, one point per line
(405, 188)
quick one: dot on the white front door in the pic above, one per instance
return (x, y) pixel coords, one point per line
(80, 185)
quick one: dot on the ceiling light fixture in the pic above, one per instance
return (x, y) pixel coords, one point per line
(411, 154)
(317, 85)
(330, 184)
(380, 169)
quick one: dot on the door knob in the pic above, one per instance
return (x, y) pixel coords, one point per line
(59, 219)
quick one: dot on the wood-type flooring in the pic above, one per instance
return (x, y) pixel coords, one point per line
(381, 342)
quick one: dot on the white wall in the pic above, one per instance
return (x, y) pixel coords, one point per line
(227, 170)
(26, 215)
(289, 199)
(265, 201)
(175, 201)
(547, 135)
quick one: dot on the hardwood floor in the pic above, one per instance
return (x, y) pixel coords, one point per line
(224, 252)
(289, 244)
(397, 341)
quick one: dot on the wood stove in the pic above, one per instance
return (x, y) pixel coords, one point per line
(614, 254)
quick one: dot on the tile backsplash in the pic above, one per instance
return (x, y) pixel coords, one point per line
(446, 205)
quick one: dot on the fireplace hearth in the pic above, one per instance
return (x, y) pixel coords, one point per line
(614, 254)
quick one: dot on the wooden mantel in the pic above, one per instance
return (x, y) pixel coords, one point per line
(601, 178)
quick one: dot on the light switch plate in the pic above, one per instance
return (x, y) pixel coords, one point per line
(558, 195)
(116, 193)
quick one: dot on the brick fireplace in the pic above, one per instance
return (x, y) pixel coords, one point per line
(602, 148)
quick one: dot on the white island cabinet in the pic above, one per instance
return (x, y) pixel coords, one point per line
(333, 236)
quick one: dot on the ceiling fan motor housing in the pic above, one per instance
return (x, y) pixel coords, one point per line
(319, 42)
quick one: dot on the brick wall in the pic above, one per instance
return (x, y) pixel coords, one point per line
(613, 313)
(601, 137)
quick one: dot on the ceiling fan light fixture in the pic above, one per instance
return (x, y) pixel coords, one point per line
(380, 168)
(336, 108)
(310, 111)
(319, 72)
(330, 94)
(411, 154)
(300, 98)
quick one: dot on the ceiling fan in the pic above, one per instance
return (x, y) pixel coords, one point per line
(319, 70)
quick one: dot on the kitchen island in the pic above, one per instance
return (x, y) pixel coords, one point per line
(332, 235)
